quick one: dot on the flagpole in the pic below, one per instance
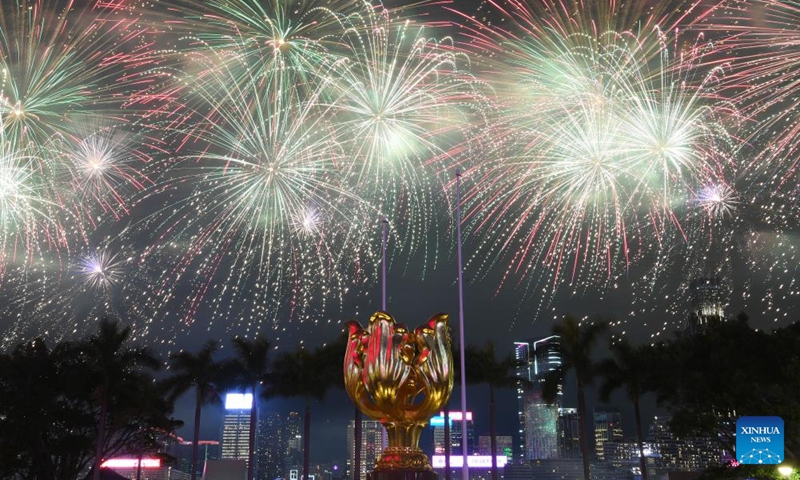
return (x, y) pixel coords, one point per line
(384, 223)
(464, 436)
(383, 263)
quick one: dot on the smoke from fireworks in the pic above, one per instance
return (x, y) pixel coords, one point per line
(234, 158)
(602, 135)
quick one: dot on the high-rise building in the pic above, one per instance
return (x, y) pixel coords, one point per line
(236, 426)
(504, 444)
(541, 430)
(626, 453)
(707, 304)
(607, 428)
(569, 440)
(687, 454)
(371, 443)
(538, 419)
(294, 441)
(437, 423)
(271, 446)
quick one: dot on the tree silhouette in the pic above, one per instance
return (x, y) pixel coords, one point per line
(111, 363)
(576, 343)
(200, 372)
(627, 368)
(48, 429)
(251, 370)
(710, 379)
(49, 411)
(482, 366)
(303, 373)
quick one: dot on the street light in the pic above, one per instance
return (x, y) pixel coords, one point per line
(785, 470)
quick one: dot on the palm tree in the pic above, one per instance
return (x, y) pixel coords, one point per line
(198, 371)
(111, 363)
(627, 369)
(251, 368)
(482, 366)
(306, 374)
(334, 352)
(576, 342)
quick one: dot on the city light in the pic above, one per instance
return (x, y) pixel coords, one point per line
(438, 421)
(131, 463)
(238, 401)
(473, 461)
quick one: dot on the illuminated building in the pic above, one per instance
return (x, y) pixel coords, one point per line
(686, 454)
(294, 442)
(271, 446)
(707, 304)
(569, 440)
(371, 442)
(504, 445)
(538, 420)
(562, 469)
(236, 426)
(607, 428)
(437, 423)
(480, 466)
(151, 469)
(473, 461)
(621, 454)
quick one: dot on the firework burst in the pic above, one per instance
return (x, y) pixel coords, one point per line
(286, 46)
(759, 42)
(57, 296)
(718, 200)
(100, 270)
(403, 107)
(603, 136)
(255, 201)
(59, 66)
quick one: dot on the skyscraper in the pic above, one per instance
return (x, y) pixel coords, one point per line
(504, 445)
(707, 304)
(371, 442)
(687, 454)
(437, 423)
(607, 428)
(271, 446)
(236, 426)
(569, 443)
(538, 419)
(294, 441)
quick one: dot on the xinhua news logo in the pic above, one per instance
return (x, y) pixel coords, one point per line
(759, 440)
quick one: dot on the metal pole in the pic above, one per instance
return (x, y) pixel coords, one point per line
(464, 436)
(384, 434)
(383, 264)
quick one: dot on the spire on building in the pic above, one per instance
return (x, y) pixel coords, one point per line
(707, 304)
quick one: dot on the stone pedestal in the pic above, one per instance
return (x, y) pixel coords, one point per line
(402, 475)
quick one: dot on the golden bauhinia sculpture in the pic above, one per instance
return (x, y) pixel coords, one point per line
(400, 378)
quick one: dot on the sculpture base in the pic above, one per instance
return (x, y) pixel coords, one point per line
(401, 474)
